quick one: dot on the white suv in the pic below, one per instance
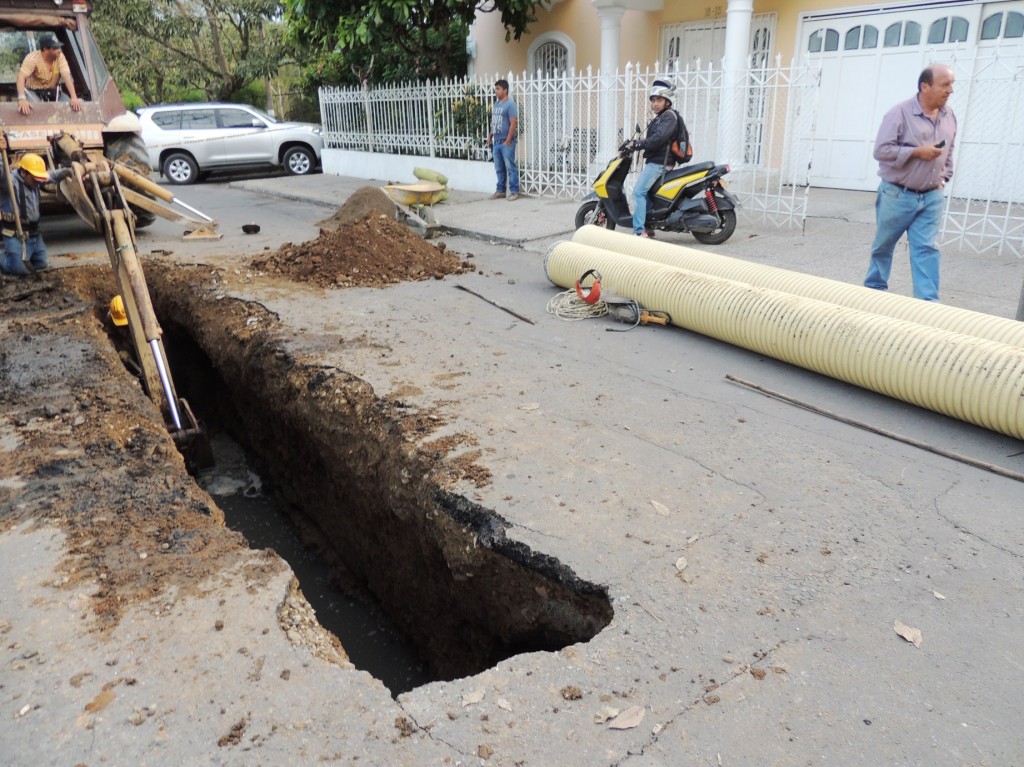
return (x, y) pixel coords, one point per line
(185, 141)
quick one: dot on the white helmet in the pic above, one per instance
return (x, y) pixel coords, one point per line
(662, 88)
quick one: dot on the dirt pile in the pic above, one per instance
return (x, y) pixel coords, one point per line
(371, 252)
(365, 202)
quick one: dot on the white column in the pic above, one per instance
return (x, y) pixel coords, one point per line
(611, 32)
(737, 53)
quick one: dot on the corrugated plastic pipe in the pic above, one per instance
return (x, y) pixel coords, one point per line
(855, 296)
(975, 380)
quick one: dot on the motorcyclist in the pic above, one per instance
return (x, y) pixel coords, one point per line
(660, 134)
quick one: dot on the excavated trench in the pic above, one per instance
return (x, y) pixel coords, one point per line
(337, 458)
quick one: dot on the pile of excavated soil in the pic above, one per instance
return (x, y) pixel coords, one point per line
(365, 202)
(374, 251)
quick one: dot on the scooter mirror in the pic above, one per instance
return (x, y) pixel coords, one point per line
(636, 128)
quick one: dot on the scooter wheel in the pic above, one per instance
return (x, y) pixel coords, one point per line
(723, 233)
(591, 212)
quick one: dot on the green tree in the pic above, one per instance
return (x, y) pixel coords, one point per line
(162, 49)
(406, 39)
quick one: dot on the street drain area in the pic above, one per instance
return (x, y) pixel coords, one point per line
(335, 457)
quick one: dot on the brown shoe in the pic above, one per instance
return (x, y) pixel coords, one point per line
(496, 196)
(513, 196)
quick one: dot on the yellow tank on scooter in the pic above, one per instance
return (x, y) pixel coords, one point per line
(670, 189)
(601, 185)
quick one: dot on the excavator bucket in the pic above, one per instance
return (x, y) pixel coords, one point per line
(192, 440)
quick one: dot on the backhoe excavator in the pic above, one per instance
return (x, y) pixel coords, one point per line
(108, 188)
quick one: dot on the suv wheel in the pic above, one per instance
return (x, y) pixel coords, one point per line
(180, 168)
(299, 161)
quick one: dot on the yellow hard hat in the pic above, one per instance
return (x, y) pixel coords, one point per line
(117, 313)
(34, 164)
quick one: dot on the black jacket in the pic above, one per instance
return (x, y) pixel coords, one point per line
(661, 132)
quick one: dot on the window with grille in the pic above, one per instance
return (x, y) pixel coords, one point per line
(550, 57)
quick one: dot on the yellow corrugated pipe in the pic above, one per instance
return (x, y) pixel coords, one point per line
(856, 297)
(976, 380)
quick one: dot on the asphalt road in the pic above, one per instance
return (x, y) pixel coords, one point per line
(756, 603)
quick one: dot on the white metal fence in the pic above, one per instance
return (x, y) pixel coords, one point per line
(762, 123)
(986, 197)
(572, 122)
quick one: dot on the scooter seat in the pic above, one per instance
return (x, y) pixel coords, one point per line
(688, 170)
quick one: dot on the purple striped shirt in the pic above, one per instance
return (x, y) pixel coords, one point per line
(905, 127)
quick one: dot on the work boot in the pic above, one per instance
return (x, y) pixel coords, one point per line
(513, 196)
(496, 196)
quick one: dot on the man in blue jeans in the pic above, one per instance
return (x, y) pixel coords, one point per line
(914, 150)
(503, 140)
(661, 132)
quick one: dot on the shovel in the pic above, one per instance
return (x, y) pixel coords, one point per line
(17, 213)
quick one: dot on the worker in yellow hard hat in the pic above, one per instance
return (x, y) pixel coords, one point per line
(27, 175)
(117, 313)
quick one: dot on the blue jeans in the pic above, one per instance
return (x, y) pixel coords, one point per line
(897, 211)
(505, 166)
(650, 174)
(35, 253)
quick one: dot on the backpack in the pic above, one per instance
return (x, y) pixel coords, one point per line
(681, 151)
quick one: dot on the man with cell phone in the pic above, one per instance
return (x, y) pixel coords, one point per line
(914, 149)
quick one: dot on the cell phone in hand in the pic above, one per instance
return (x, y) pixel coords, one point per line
(941, 144)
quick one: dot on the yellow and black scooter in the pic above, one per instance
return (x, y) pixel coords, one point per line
(691, 198)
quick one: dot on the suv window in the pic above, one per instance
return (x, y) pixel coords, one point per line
(167, 120)
(198, 119)
(235, 118)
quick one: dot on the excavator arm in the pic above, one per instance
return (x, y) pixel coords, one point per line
(96, 193)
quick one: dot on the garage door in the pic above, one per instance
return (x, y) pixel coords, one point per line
(870, 60)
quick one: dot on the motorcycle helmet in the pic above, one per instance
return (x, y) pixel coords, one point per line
(662, 88)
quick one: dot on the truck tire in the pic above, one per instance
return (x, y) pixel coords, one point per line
(299, 161)
(130, 151)
(180, 168)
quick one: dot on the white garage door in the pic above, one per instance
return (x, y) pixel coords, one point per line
(870, 60)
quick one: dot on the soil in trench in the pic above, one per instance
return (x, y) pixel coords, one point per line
(87, 450)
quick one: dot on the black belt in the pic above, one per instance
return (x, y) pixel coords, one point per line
(45, 94)
(915, 191)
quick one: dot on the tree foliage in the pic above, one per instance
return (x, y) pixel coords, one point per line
(164, 48)
(408, 39)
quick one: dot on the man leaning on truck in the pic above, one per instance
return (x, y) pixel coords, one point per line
(42, 72)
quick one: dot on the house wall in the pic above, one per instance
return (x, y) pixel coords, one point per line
(639, 33)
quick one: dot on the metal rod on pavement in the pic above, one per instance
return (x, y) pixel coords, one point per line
(514, 314)
(878, 430)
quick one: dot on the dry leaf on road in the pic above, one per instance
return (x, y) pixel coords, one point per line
(909, 633)
(605, 714)
(660, 508)
(628, 719)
